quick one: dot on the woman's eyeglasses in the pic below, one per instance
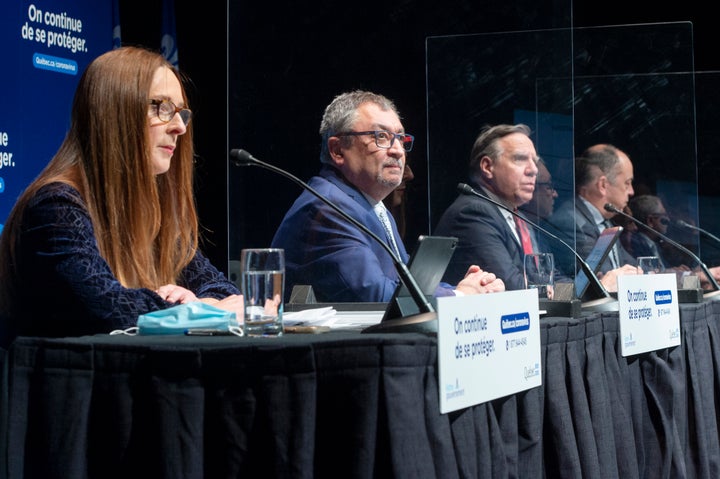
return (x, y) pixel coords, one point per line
(165, 111)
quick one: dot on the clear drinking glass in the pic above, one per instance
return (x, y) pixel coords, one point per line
(539, 273)
(263, 284)
(649, 265)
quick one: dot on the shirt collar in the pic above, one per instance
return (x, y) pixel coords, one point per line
(373, 202)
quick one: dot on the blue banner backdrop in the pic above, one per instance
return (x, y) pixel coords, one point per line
(46, 49)
(168, 42)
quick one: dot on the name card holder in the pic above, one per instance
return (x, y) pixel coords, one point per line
(488, 347)
(649, 313)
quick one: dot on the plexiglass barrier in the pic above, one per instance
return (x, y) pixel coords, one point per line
(630, 86)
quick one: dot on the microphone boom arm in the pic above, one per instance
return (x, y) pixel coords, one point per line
(685, 224)
(610, 207)
(468, 190)
(243, 158)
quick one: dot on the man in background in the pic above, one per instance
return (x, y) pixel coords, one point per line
(648, 209)
(629, 229)
(396, 202)
(542, 203)
(603, 174)
(503, 166)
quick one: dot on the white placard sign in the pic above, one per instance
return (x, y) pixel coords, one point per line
(488, 347)
(649, 313)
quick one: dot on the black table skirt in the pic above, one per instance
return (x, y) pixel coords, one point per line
(346, 405)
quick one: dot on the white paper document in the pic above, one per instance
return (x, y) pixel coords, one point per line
(329, 317)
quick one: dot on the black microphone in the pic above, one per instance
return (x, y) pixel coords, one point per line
(612, 209)
(684, 224)
(468, 190)
(426, 320)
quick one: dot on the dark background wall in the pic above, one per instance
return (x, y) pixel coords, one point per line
(290, 58)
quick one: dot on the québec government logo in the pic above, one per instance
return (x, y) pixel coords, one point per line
(454, 390)
(532, 371)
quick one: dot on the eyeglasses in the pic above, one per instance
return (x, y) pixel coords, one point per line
(384, 139)
(662, 217)
(548, 185)
(166, 110)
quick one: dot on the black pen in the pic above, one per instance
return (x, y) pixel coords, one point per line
(207, 332)
(306, 329)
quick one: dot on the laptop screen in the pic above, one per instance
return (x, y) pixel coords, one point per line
(427, 265)
(596, 258)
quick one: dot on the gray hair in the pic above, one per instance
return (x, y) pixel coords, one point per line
(341, 114)
(602, 159)
(645, 205)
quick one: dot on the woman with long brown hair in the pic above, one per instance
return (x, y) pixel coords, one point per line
(109, 229)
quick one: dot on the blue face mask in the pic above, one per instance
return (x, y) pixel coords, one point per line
(183, 319)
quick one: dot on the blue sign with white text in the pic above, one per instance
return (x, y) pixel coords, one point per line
(512, 323)
(46, 46)
(663, 297)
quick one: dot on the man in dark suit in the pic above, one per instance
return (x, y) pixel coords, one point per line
(363, 157)
(503, 166)
(542, 203)
(603, 174)
(650, 210)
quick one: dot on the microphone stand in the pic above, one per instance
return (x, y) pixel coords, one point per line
(611, 208)
(684, 224)
(426, 320)
(596, 304)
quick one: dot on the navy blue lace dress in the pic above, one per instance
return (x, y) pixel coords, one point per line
(67, 289)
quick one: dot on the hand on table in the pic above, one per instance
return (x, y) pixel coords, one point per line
(477, 281)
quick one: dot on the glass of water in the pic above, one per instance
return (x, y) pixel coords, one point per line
(263, 285)
(649, 265)
(539, 273)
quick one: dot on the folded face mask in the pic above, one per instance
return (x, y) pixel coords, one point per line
(185, 318)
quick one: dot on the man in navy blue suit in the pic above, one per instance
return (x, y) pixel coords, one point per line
(363, 158)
